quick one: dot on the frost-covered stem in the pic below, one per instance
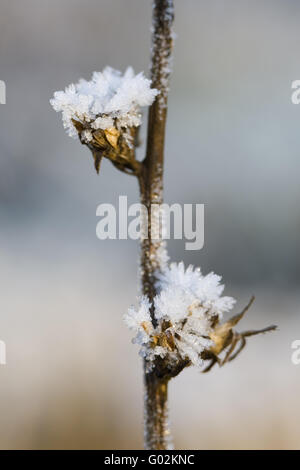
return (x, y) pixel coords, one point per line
(151, 188)
(156, 413)
(151, 175)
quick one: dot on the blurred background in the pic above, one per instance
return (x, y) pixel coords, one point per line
(73, 380)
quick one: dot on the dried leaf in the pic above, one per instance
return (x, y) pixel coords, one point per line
(112, 135)
(78, 125)
(100, 139)
(167, 341)
(147, 326)
(97, 160)
(222, 334)
(170, 340)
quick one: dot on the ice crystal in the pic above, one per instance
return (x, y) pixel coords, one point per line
(186, 308)
(108, 100)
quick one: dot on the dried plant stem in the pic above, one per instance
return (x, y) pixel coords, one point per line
(157, 435)
(151, 189)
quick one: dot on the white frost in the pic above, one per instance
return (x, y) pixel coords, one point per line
(108, 98)
(185, 307)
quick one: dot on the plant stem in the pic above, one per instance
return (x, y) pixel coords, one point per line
(151, 190)
(157, 436)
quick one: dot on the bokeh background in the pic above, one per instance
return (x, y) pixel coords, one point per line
(73, 380)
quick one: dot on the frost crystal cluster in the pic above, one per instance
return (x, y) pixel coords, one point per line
(105, 113)
(186, 311)
(108, 100)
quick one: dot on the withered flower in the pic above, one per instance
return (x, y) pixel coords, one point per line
(188, 310)
(105, 113)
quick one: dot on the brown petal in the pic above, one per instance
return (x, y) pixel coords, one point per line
(112, 135)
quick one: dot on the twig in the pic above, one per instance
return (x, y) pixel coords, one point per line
(151, 190)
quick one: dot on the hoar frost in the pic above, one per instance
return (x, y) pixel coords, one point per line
(109, 100)
(105, 113)
(186, 309)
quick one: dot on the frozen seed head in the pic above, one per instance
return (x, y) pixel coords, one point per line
(105, 111)
(187, 308)
(109, 98)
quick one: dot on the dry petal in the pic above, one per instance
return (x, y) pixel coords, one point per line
(112, 135)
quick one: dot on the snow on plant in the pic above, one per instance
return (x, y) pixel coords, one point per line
(179, 321)
(105, 111)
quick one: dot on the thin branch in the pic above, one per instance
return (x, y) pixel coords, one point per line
(151, 177)
(151, 190)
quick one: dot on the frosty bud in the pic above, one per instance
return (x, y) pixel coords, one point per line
(105, 113)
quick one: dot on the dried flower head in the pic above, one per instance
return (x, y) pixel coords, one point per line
(188, 310)
(105, 113)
